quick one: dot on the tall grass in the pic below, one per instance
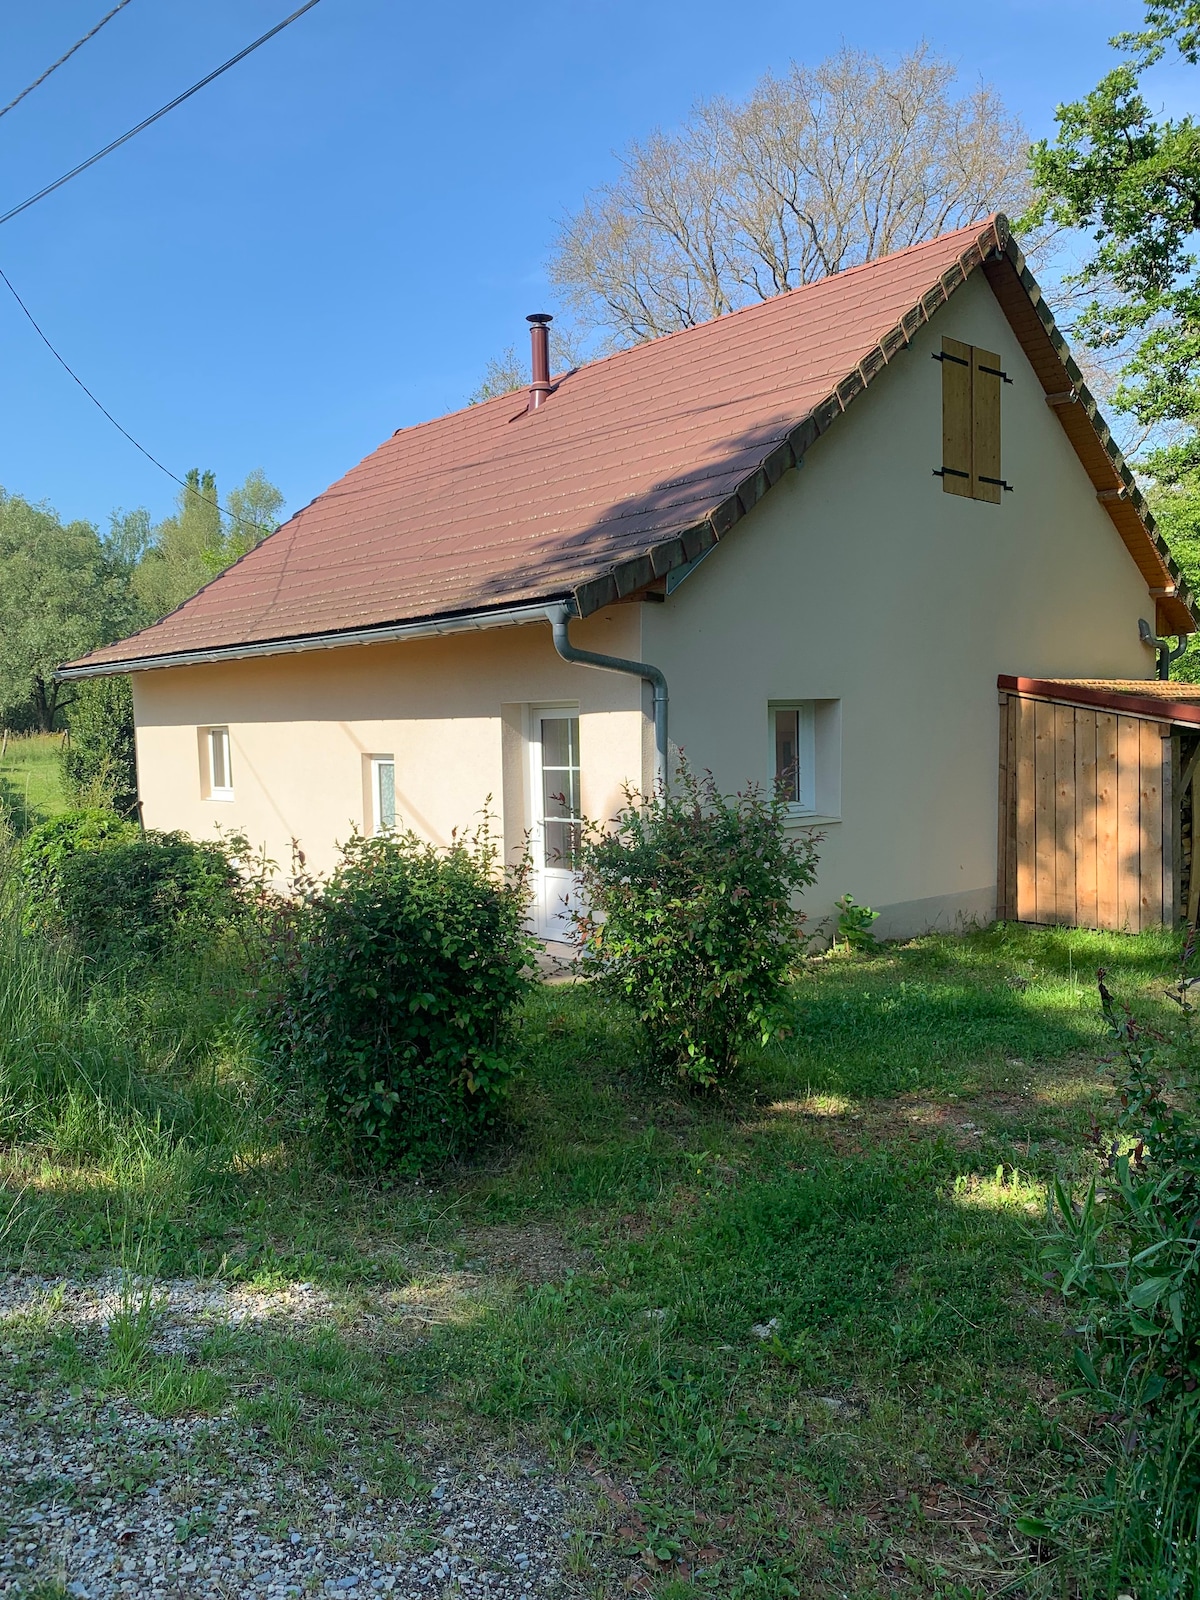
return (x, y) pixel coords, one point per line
(149, 1082)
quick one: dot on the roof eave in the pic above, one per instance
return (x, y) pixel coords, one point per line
(386, 633)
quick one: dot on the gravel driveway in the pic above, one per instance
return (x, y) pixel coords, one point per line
(99, 1498)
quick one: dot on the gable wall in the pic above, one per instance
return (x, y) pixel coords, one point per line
(857, 578)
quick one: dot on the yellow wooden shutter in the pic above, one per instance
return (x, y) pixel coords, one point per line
(985, 426)
(957, 364)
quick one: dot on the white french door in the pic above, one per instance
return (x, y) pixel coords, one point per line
(556, 817)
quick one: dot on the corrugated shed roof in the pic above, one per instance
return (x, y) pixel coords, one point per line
(635, 465)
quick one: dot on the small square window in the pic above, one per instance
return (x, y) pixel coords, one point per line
(383, 794)
(216, 766)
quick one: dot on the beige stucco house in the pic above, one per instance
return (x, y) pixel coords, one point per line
(817, 529)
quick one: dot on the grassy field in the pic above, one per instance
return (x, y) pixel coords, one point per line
(31, 779)
(793, 1342)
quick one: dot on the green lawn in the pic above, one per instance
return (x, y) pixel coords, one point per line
(792, 1338)
(31, 779)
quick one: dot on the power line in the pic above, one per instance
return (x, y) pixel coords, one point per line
(78, 45)
(161, 112)
(182, 482)
(90, 162)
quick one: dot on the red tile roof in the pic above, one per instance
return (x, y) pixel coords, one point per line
(634, 465)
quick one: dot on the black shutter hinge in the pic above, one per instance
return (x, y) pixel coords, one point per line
(949, 472)
(1001, 483)
(944, 355)
(996, 373)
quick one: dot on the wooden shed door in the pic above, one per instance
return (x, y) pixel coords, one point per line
(1085, 834)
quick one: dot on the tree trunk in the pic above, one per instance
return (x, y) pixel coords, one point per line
(45, 703)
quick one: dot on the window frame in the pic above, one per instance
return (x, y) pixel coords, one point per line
(379, 828)
(806, 738)
(221, 792)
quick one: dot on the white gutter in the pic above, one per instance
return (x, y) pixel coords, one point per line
(469, 622)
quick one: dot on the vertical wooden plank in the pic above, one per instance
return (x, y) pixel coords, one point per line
(1011, 854)
(1025, 831)
(1086, 907)
(1150, 897)
(1129, 823)
(1043, 811)
(1064, 815)
(985, 426)
(1108, 860)
(1002, 892)
(956, 417)
(1170, 824)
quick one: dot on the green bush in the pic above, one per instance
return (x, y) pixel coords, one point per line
(394, 996)
(46, 850)
(1128, 1260)
(691, 919)
(126, 895)
(98, 760)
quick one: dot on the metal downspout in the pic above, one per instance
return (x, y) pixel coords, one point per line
(559, 618)
(1164, 653)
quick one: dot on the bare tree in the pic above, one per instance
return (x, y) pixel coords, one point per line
(818, 170)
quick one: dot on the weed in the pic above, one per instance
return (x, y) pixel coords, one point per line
(392, 1474)
(197, 1522)
(175, 1389)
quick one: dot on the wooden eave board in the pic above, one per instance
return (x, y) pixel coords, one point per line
(1089, 436)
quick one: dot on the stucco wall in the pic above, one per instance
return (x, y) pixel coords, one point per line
(301, 725)
(857, 578)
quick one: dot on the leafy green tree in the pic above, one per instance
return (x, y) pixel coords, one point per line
(129, 537)
(61, 594)
(98, 762)
(176, 562)
(253, 513)
(188, 550)
(1176, 508)
(1131, 183)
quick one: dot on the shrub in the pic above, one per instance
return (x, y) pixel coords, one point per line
(854, 923)
(46, 849)
(395, 991)
(692, 922)
(1128, 1258)
(126, 895)
(98, 760)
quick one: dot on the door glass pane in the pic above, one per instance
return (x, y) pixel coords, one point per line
(559, 738)
(560, 790)
(562, 844)
(385, 795)
(787, 755)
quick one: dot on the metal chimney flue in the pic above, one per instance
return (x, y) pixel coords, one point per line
(539, 337)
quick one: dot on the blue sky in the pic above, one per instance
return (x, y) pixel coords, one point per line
(329, 242)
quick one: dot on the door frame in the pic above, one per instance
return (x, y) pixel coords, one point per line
(553, 886)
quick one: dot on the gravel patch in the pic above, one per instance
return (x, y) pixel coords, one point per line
(185, 1311)
(107, 1501)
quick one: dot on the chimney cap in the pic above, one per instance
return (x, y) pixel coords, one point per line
(540, 317)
